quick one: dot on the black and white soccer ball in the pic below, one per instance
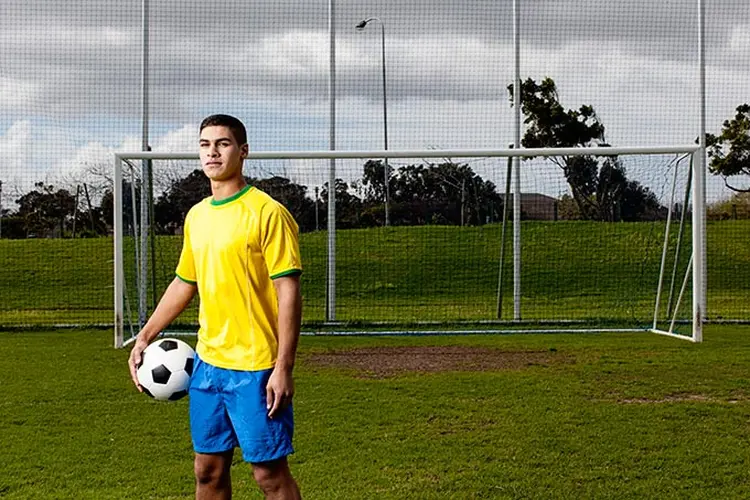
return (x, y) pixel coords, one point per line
(165, 369)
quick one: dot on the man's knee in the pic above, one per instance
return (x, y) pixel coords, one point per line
(273, 476)
(212, 469)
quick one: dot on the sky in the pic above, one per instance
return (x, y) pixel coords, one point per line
(70, 75)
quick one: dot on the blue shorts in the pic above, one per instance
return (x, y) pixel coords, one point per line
(228, 409)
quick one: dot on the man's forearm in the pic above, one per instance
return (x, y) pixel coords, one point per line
(290, 316)
(175, 299)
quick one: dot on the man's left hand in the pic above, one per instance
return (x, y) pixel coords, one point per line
(279, 390)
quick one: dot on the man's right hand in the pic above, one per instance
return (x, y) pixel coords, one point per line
(134, 361)
(176, 298)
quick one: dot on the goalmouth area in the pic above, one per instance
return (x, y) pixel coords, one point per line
(562, 276)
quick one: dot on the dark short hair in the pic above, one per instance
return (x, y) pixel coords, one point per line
(232, 123)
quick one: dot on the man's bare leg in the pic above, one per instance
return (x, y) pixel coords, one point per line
(276, 481)
(212, 476)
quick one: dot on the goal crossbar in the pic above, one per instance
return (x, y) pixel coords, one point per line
(425, 153)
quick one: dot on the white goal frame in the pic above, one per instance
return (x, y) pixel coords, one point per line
(696, 267)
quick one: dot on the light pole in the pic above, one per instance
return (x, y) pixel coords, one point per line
(386, 175)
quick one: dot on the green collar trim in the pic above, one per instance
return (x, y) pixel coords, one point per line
(230, 199)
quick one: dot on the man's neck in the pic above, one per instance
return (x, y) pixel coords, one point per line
(221, 190)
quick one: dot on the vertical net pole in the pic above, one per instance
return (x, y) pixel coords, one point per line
(385, 128)
(508, 174)
(699, 194)
(517, 145)
(331, 275)
(152, 233)
(134, 225)
(118, 262)
(145, 176)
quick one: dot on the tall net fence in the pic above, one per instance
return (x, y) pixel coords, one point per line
(415, 75)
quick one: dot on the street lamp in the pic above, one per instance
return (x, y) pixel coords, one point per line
(361, 26)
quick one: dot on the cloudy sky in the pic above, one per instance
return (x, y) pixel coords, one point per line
(70, 73)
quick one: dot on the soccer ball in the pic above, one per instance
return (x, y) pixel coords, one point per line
(165, 369)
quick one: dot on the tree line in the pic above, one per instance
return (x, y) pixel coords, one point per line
(445, 193)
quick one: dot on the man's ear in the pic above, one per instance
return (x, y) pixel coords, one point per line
(243, 150)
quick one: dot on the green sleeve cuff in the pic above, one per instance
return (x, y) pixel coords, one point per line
(290, 272)
(189, 282)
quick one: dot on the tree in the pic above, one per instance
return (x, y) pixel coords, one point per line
(13, 226)
(172, 205)
(600, 191)
(549, 125)
(45, 210)
(730, 151)
(444, 193)
(373, 184)
(292, 196)
(106, 206)
(349, 207)
(639, 203)
(184, 192)
(736, 206)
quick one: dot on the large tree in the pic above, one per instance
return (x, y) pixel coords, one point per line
(293, 196)
(550, 125)
(174, 203)
(46, 209)
(620, 199)
(350, 212)
(444, 193)
(601, 191)
(129, 208)
(730, 151)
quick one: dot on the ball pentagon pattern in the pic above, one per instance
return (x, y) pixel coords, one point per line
(165, 369)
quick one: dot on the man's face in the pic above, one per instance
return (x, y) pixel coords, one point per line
(221, 156)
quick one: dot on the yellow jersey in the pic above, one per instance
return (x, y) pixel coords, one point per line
(232, 250)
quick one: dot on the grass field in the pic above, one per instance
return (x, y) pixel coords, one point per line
(570, 270)
(608, 416)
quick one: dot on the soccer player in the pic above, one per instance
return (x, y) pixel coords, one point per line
(241, 255)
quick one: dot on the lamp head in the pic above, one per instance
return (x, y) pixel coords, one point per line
(361, 25)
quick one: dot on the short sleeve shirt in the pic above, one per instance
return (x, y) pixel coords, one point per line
(232, 250)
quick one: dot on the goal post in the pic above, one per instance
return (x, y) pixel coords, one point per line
(408, 286)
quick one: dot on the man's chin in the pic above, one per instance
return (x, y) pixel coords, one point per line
(214, 176)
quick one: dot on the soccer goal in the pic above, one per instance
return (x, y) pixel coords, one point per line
(476, 241)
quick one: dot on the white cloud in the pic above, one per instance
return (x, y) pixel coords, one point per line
(176, 141)
(14, 151)
(739, 41)
(295, 54)
(14, 145)
(16, 94)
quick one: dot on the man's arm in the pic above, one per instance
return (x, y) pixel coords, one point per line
(280, 388)
(175, 299)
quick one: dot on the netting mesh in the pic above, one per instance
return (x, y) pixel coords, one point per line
(71, 95)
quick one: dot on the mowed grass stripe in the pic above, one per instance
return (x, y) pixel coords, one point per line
(571, 270)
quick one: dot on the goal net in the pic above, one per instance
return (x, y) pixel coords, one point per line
(447, 241)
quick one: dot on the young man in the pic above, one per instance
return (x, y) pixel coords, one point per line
(241, 255)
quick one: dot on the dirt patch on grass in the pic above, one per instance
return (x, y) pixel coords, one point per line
(388, 361)
(684, 398)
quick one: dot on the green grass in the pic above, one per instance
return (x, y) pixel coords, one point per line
(626, 416)
(570, 270)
